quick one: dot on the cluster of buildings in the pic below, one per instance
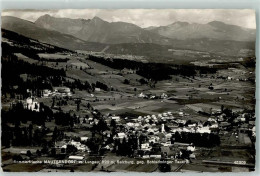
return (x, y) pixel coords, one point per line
(77, 144)
(58, 91)
(31, 103)
(158, 134)
(150, 96)
(157, 129)
(169, 125)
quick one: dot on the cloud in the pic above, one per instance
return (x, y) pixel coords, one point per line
(147, 17)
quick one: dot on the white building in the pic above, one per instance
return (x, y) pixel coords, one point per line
(76, 157)
(83, 138)
(191, 148)
(116, 118)
(32, 104)
(204, 130)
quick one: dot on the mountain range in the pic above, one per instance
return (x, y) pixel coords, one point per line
(118, 37)
(212, 30)
(98, 30)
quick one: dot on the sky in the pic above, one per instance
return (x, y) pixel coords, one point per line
(147, 17)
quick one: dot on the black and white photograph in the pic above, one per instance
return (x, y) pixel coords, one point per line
(128, 90)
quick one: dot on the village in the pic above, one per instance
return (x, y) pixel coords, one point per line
(90, 115)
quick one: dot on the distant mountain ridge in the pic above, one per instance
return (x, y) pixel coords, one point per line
(212, 30)
(125, 38)
(98, 30)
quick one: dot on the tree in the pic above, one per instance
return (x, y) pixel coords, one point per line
(53, 102)
(101, 126)
(53, 151)
(28, 153)
(63, 150)
(113, 123)
(126, 81)
(71, 149)
(222, 108)
(54, 134)
(143, 81)
(17, 158)
(38, 152)
(78, 104)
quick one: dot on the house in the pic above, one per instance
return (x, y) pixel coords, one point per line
(166, 144)
(179, 121)
(120, 136)
(191, 148)
(130, 124)
(166, 150)
(107, 133)
(23, 152)
(32, 104)
(224, 124)
(146, 147)
(165, 114)
(142, 95)
(212, 120)
(116, 118)
(109, 147)
(76, 157)
(181, 114)
(150, 130)
(164, 95)
(215, 125)
(127, 71)
(162, 136)
(46, 92)
(168, 136)
(203, 130)
(192, 125)
(153, 117)
(156, 156)
(97, 89)
(229, 78)
(83, 138)
(192, 156)
(62, 89)
(79, 146)
(152, 140)
(253, 131)
(146, 156)
(242, 119)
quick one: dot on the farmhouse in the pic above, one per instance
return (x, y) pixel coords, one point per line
(62, 89)
(83, 138)
(116, 118)
(120, 136)
(46, 92)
